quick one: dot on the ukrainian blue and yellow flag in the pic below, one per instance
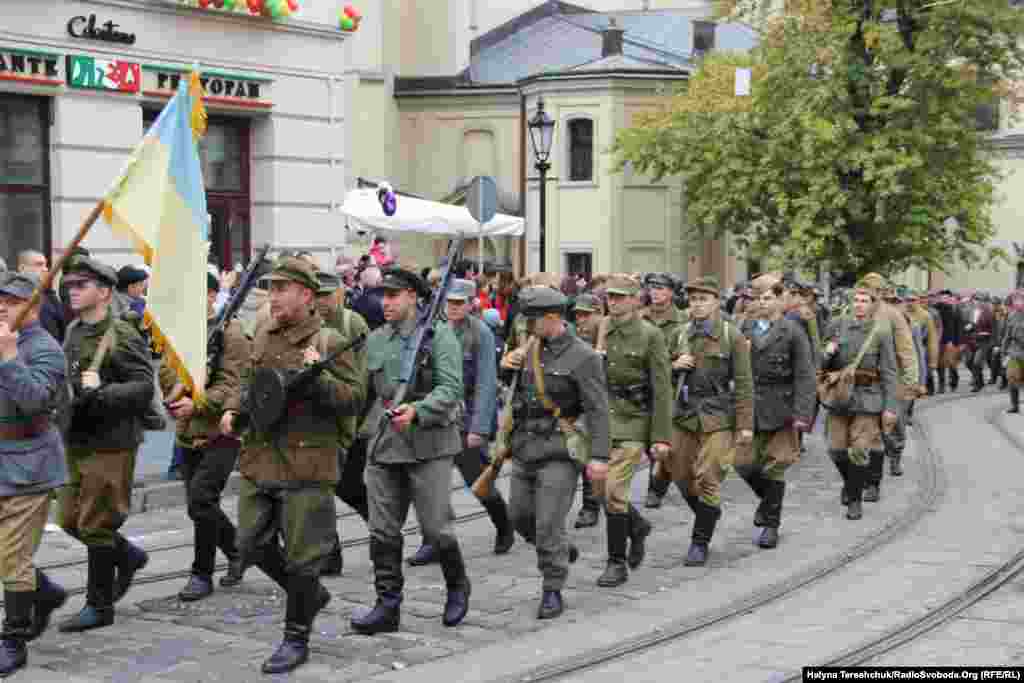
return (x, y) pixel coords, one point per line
(159, 203)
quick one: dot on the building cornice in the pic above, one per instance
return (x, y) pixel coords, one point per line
(609, 75)
(308, 28)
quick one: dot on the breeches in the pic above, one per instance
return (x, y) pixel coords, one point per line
(699, 463)
(303, 517)
(98, 496)
(22, 519)
(771, 453)
(625, 457)
(859, 433)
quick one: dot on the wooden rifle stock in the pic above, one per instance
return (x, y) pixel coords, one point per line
(484, 484)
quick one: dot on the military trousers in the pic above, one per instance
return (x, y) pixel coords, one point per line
(857, 434)
(302, 516)
(98, 496)
(392, 488)
(699, 463)
(541, 495)
(206, 473)
(770, 453)
(626, 456)
(22, 520)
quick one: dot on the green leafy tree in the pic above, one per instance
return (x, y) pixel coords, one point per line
(858, 145)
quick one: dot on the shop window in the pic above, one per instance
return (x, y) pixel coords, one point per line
(224, 156)
(24, 176)
(581, 150)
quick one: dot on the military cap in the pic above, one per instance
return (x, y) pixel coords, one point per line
(873, 281)
(461, 290)
(707, 284)
(19, 285)
(764, 282)
(536, 301)
(329, 283)
(295, 269)
(93, 270)
(212, 283)
(588, 303)
(622, 285)
(400, 278)
(660, 280)
(868, 288)
(129, 275)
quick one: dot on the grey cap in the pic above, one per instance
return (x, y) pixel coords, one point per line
(536, 301)
(19, 285)
(461, 290)
(588, 303)
(329, 283)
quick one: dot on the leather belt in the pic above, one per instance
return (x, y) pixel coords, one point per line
(29, 429)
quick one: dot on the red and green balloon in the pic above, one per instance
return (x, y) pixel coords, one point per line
(349, 19)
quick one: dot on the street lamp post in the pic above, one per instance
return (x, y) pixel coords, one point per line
(542, 132)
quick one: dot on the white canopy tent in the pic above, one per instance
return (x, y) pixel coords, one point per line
(424, 216)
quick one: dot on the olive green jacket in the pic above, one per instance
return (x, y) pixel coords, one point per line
(436, 394)
(349, 325)
(204, 425)
(721, 386)
(670, 323)
(638, 366)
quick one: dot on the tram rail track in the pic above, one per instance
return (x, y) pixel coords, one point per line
(916, 627)
(931, 491)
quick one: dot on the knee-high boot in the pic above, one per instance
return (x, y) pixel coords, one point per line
(842, 462)
(873, 485)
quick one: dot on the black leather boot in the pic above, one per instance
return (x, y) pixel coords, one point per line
(616, 573)
(775, 491)
(303, 604)
(551, 605)
(99, 600)
(424, 555)
(656, 488)
(130, 559)
(703, 530)
(384, 617)
(896, 464)
(454, 569)
(334, 562)
(941, 387)
(752, 475)
(855, 486)
(234, 574)
(639, 530)
(954, 379)
(842, 462)
(873, 485)
(49, 597)
(17, 630)
(590, 511)
(498, 512)
(1014, 400)
(197, 588)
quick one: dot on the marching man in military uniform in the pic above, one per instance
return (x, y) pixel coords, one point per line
(351, 488)
(1012, 344)
(639, 392)
(590, 317)
(411, 461)
(861, 348)
(714, 410)
(32, 376)
(663, 314)
(480, 380)
(561, 380)
(209, 457)
(289, 462)
(784, 395)
(111, 375)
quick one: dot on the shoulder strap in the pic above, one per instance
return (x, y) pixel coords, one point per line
(108, 342)
(538, 380)
(864, 347)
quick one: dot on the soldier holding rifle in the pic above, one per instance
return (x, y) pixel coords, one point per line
(209, 455)
(559, 379)
(415, 367)
(289, 460)
(111, 374)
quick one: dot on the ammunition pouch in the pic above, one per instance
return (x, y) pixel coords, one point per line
(863, 378)
(637, 394)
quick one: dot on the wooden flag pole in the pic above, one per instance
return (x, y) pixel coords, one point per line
(47, 281)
